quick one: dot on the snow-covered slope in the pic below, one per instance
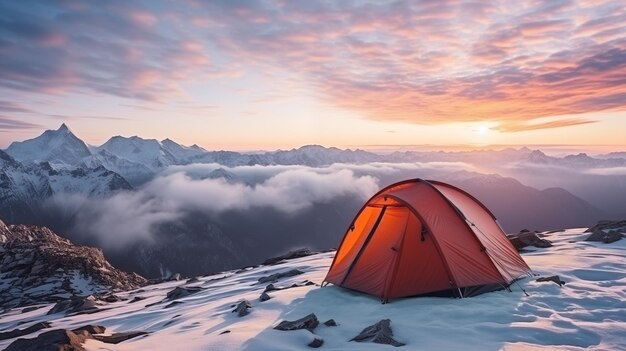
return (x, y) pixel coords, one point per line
(182, 153)
(589, 312)
(135, 173)
(59, 146)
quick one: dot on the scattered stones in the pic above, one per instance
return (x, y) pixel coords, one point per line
(78, 304)
(69, 340)
(21, 332)
(274, 277)
(272, 287)
(330, 323)
(242, 308)
(308, 322)
(605, 237)
(554, 278)
(264, 297)
(288, 256)
(379, 333)
(180, 292)
(527, 238)
(316, 343)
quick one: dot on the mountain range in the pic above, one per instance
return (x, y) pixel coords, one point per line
(33, 173)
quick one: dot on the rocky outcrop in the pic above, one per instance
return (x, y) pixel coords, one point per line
(70, 340)
(36, 266)
(288, 256)
(527, 238)
(274, 277)
(242, 308)
(308, 322)
(619, 226)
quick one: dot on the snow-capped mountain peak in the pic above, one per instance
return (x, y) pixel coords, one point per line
(54, 146)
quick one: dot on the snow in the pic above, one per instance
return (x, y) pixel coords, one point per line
(589, 312)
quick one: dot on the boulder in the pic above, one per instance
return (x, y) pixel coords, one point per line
(264, 297)
(316, 343)
(379, 333)
(242, 308)
(308, 322)
(553, 278)
(526, 238)
(180, 292)
(77, 304)
(330, 323)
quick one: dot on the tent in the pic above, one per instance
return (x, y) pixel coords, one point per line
(420, 237)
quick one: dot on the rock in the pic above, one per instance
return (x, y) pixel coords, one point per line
(117, 338)
(111, 298)
(173, 303)
(78, 304)
(264, 297)
(308, 322)
(34, 257)
(288, 256)
(69, 340)
(526, 238)
(274, 277)
(174, 277)
(554, 278)
(136, 298)
(193, 280)
(272, 287)
(55, 340)
(15, 333)
(330, 323)
(31, 308)
(224, 332)
(602, 236)
(316, 343)
(180, 292)
(379, 333)
(242, 308)
(620, 226)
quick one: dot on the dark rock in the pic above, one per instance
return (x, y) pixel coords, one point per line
(330, 323)
(173, 303)
(224, 332)
(180, 292)
(78, 304)
(602, 236)
(316, 343)
(54, 340)
(288, 256)
(272, 287)
(21, 332)
(554, 278)
(379, 333)
(526, 238)
(136, 298)
(91, 329)
(264, 297)
(274, 277)
(31, 308)
(193, 280)
(620, 226)
(242, 308)
(308, 322)
(174, 277)
(117, 338)
(111, 298)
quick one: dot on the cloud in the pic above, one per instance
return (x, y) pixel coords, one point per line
(423, 62)
(522, 126)
(10, 124)
(135, 215)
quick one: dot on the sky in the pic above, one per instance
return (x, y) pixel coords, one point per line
(251, 75)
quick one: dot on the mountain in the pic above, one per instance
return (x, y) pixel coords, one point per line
(135, 173)
(577, 161)
(181, 153)
(59, 146)
(147, 152)
(196, 314)
(37, 266)
(518, 206)
(25, 189)
(317, 155)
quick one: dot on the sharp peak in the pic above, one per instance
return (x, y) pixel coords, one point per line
(63, 127)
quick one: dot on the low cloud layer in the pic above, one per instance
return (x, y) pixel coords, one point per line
(130, 216)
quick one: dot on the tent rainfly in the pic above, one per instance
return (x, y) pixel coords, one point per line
(421, 237)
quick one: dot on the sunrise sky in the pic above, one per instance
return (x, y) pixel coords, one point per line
(247, 75)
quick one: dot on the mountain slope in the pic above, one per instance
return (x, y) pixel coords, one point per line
(586, 313)
(59, 146)
(147, 152)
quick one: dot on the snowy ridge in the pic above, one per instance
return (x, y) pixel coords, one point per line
(589, 312)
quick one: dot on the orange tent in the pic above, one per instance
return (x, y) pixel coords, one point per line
(421, 236)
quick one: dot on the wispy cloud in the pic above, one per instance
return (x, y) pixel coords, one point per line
(423, 62)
